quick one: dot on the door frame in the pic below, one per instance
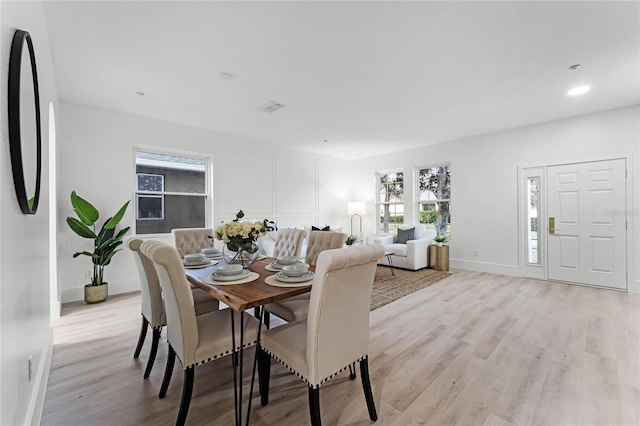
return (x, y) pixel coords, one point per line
(541, 272)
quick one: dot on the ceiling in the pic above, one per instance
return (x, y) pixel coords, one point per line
(366, 77)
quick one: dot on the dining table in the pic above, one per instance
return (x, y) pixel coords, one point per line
(262, 290)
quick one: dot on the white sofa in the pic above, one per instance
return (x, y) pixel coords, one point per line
(414, 254)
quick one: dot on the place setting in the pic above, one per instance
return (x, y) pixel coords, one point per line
(197, 261)
(231, 275)
(212, 253)
(281, 261)
(294, 275)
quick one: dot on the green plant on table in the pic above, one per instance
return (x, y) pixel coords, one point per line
(105, 242)
(440, 239)
(351, 239)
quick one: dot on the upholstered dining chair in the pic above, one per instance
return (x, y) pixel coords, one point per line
(295, 308)
(336, 331)
(152, 306)
(192, 240)
(289, 242)
(193, 339)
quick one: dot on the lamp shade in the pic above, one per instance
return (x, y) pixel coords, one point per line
(355, 207)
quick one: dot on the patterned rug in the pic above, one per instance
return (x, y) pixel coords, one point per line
(387, 288)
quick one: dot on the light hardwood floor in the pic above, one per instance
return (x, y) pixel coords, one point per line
(474, 349)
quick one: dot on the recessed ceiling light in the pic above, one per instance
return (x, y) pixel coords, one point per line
(579, 90)
(141, 94)
(225, 76)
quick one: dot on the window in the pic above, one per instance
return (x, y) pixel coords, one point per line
(434, 187)
(533, 183)
(150, 207)
(170, 192)
(390, 201)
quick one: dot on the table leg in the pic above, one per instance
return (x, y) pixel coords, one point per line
(237, 367)
(391, 265)
(260, 312)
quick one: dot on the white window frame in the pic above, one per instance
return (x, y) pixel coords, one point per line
(418, 203)
(529, 269)
(380, 203)
(208, 195)
(149, 194)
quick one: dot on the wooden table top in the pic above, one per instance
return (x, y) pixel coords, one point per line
(249, 295)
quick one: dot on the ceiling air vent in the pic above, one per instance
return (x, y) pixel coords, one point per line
(270, 107)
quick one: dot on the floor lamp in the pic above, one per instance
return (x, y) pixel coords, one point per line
(356, 208)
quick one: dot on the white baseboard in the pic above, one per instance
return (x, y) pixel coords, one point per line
(36, 403)
(55, 308)
(634, 287)
(115, 287)
(491, 268)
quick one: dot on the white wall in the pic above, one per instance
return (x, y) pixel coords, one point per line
(24, 241)
(484, 181)
(96, 159)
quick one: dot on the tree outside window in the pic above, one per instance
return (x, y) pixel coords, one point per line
(391, 200)
(433, 202)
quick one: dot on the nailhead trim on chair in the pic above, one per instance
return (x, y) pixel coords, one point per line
(216, 356)
(312, 386)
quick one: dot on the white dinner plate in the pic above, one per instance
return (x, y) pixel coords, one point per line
(275, 266)
(239, 279)
(219, 277)
(273, 281)
(286, 279)
(206, 262)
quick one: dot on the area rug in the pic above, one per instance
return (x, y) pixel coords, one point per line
(387, 288)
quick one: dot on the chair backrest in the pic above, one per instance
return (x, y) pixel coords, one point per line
(182, 327)
(338, 319)
(323, 240)
(192, 240)
(289, 242)
(150, 291)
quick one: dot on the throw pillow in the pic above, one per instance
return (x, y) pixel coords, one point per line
(405, 235)
(326, 228)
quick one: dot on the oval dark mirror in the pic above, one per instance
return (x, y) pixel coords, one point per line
(24, 122)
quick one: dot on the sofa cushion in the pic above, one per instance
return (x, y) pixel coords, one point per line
(419, 230)
(405, 235)
(397, 249)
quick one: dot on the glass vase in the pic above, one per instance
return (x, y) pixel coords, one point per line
(245, 255)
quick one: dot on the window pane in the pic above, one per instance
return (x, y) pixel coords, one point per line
(434, 189)
(532, 219)
(391, 216)
(150, 207)
(390, 201)
(180, 174)
(180, 211)
(149, 182)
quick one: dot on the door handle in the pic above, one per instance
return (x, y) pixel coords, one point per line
(552, 225)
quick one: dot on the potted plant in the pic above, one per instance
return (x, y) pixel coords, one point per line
(351, 240)
(105, 243)
(439, 239)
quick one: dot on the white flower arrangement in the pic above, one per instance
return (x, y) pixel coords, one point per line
(239, 235)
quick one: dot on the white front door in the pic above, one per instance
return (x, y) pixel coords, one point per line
(587, 203)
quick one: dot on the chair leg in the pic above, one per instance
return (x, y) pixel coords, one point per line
(187, 390)
(366, 386)
(352, 371)
(143, 334)
(264, 373)
(314, 406)
(152, 353)
(171, 359)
